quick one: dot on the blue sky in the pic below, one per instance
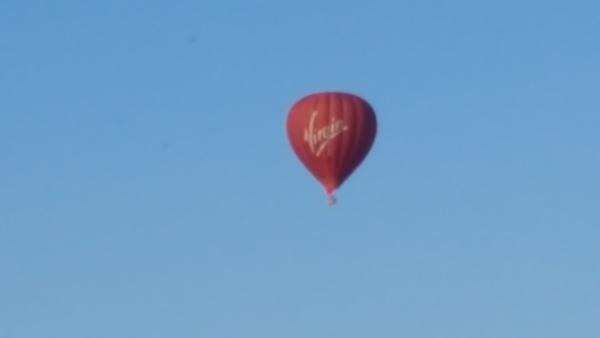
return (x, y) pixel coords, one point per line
(147, 188)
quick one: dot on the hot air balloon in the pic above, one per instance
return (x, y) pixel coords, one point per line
(331, 133)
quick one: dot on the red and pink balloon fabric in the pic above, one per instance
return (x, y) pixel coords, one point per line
(331, 133)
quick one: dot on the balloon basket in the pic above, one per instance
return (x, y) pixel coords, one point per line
(331, 200)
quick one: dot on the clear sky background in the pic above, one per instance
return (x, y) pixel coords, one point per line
(147, 188)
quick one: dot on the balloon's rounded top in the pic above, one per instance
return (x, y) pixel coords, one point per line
(331, 93)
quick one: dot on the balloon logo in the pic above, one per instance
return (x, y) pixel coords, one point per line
(331, 133)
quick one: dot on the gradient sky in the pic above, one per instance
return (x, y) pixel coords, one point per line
(147, 189)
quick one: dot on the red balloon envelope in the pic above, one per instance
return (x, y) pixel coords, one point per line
(331, 133)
